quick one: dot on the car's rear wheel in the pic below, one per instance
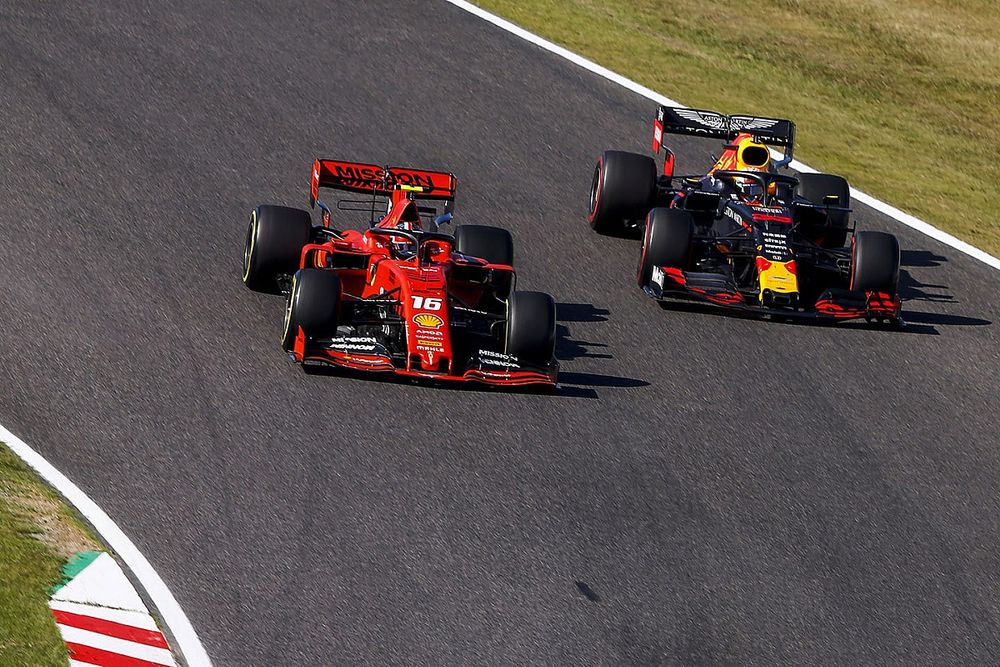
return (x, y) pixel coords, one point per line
(493, 244)
(827, 189)
(531, 327)
(875, 263)
(313, 304)
(274, 241)
(666, 242)
(623, 188)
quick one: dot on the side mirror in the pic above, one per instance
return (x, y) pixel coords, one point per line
(443, 219)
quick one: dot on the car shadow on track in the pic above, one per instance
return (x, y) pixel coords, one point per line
(912, 290)
(566, 346)
(581, 385)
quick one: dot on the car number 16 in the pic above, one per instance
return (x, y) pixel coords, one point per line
(429, 303)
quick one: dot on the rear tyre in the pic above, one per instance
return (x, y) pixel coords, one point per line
(531, 327)
(816, 188)
(274, 241)
(493, 244)
(666, 242)
(313, 304)
(623, 189)
(875, 263)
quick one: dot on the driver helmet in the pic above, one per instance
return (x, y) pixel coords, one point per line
(752, 156)
(410, 221)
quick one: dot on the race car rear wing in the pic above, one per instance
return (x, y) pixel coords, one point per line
(375, 180)
(701, 123)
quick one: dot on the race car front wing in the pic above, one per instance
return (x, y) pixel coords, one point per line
(717, 289)
(365, 354)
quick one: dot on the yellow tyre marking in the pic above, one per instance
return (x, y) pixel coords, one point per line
(286, 325)
(248, 256)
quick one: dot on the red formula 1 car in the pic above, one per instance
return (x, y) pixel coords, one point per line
(400, 297)
(744, 236)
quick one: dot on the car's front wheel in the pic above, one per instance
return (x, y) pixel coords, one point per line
(531, 327)
(313, 304)
(666, 242)
(875, 263)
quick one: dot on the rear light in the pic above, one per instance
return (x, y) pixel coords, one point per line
(762, 265)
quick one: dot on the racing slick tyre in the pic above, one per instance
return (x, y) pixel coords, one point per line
(874, 262)
(313, 304)
(816, 188)
(666, 242)
(493, 244)
(274, 243)
(623, 189)
(531, 327)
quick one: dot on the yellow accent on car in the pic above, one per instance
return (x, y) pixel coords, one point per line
(778, 279)
(428, 320)
(751, 156)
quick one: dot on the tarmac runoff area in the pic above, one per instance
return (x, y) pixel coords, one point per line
(103, 620)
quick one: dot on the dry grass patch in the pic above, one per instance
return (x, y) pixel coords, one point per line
(902, 98)
(37, 533)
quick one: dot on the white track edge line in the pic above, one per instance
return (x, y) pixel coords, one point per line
(182, 632)
(877, 204)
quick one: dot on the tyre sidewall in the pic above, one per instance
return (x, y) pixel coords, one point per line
(814, 187)
(531, 327)
(874, 263)
(666, 242)
(313, 305)
(623, 188)
(493, 244)
(273, 245)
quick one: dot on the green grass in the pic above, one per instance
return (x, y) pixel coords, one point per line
(900, 97)
(37, 533)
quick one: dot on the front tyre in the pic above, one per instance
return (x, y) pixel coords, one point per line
(623, 188)
(313, 304)
(666, 242)
(531, 327)
(274, 241)
(875, 263)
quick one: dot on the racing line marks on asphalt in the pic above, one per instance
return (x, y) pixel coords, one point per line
(877, 204)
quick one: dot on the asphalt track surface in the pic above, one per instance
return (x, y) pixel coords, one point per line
(704, 490)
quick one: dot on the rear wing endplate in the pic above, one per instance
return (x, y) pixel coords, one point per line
(375, 180)
(702, 123)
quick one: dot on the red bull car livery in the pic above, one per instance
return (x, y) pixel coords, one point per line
(399, 296)
(745, 236)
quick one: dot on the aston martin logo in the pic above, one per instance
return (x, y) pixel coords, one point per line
(737, 123)
(717, 121)
(706, 118)
(428, 320)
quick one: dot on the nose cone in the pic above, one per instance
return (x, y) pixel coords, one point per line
(430, 342)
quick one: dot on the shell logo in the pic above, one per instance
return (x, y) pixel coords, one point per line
(428, 320)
